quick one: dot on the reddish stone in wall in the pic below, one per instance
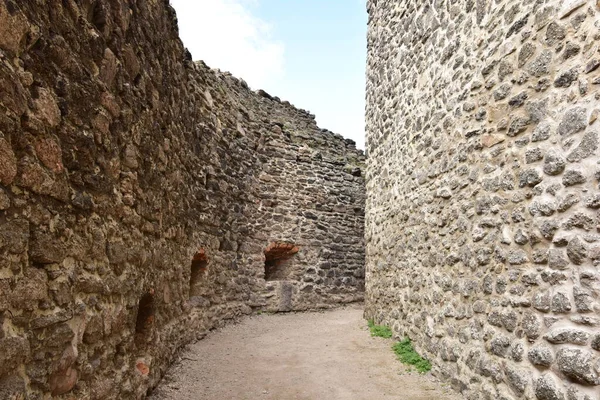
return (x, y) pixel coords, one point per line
(200, 256)
(49, 153)
(279, 250)
(142, 368)
(63, 381)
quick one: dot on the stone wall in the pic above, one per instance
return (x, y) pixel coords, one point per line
(482, 190)
(138, 193)
(312, 195)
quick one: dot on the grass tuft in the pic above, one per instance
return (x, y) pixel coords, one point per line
(379, 330)
(406, 354)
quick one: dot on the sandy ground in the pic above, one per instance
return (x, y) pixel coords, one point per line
(306, 356)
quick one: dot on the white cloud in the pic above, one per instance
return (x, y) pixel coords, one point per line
(226, 35)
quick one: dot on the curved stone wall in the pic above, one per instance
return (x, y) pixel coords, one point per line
(482, 190)
(138, 193)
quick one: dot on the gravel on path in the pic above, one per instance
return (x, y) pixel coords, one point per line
(298, 356)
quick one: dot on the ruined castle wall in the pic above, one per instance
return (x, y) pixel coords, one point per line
(482, 190)
(311, 197)
(133, 199)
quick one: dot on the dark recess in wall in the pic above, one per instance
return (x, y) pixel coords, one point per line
(198, 273)
(144, 321)
(279, 261)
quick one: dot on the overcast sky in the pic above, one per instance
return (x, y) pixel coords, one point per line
(309, 52)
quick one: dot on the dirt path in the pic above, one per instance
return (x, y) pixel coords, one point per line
(308, 356)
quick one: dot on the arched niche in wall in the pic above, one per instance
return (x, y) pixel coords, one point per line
(144, 322)
(199, 269)
(278, 261)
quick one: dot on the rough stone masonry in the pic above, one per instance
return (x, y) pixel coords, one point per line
(145, 198)
(482, 215)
